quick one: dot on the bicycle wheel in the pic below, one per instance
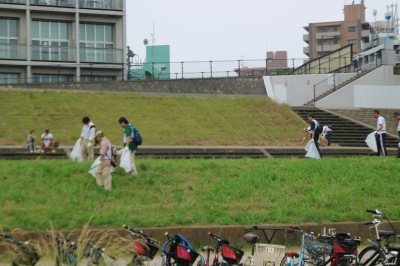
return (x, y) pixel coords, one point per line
(202, 260)
(285, 262)
(370, 256)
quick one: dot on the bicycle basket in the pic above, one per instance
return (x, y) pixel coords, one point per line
(269, 253)
(146, 249)
(231, 255)
(185, 253)
(316, 249)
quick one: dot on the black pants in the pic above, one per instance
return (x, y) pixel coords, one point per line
(380, 142)
(316, 137)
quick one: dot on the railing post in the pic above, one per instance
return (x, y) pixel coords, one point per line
(314, 93)
(239, 68)
(152, 66)
(211, 69)
(182, 69)
(334, 82)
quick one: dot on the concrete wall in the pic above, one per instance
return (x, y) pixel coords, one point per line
(296, 90)
(378, 89)
(228, 86)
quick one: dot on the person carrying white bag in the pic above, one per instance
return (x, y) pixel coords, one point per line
(103, 171)
(130, 148)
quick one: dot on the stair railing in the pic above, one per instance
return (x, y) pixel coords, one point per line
(322, 81)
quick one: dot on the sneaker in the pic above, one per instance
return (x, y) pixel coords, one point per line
(31, 151)
(53, 151)
(41, 151)
(134, 174)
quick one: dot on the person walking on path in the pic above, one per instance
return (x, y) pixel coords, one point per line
(314, 125)
(47, 141)
(31, 141)
(129, 145)
(103, 174)
(380, 133)
(87, 139)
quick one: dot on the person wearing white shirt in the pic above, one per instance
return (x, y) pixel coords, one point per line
(396, 116)
(47, 141)
(380, 133)
(87, 139)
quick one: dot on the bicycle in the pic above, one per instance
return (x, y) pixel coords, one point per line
(97, 256)
(180, 252)
(66, 252)
(144, 248)
(230, 255)
(339, 249)
(24, 252)
(376, 253)
(268, 254)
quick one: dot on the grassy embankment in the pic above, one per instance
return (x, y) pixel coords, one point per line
(198, 192)
(160, 120)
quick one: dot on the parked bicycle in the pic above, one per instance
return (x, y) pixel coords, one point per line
(66, 252)
(98, 256)
(230, 255)
(24, 252)
(334, 250)
(177, 251)
(144, 247)
(376, 253)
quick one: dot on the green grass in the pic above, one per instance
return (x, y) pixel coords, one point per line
(198, 192)
(160, 120)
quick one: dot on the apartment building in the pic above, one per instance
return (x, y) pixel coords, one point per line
(326, 37)
(62, 40)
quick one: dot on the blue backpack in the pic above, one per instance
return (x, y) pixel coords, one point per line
(136, 139)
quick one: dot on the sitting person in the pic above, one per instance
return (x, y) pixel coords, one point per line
(31, 141)
(47, 141)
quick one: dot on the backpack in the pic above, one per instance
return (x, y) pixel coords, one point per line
(115, 158)
(319, 129)
(329, 126)
(137, 139)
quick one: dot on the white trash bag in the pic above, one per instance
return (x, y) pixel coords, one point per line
(371, 141)
(95, 165)
(76, 152)
(312, 151)
(126, 161)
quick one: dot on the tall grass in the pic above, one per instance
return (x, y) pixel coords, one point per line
(198, 192)
(160, 120)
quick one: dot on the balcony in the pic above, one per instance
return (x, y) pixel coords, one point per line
(327, 47)
(18, 2)
(306, 38)
(53, 53)
(100, 55)
(328, 35)
(365, 33)
(101, 4)
(306, 50)
(59, 3)
(13, 51)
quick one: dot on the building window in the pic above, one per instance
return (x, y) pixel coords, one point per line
(50, 78)
(50, 40)
(96, 42)
(8, 38)
(335, 29)
(322, 29)
(352, 29)
(352, 41)
(7, 78)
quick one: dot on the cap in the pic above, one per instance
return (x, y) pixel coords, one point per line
(99, 134)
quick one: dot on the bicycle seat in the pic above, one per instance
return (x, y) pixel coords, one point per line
(251, 238)
(292, 254)
(394, 248)
(207, 248)
(383, 233)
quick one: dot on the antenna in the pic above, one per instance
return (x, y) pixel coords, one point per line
(153, 36)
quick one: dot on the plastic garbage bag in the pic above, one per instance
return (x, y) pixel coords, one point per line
(307, 148)
(95, 165)
(312, 151)
(371, 142)
(76, 152)
(126, 161)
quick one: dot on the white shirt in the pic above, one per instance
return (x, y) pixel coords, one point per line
(326, 129)
(47, 139)
(381, 121)
(398, 127)
(87, 132)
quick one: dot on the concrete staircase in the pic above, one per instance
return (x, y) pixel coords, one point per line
(341, 85)
(345, 131)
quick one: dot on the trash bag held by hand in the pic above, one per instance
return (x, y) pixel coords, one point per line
(95, 165)
(76, 152)
(312, 151)
(126, 161)
(371, 141)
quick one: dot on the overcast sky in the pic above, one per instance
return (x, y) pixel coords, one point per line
(231, 29)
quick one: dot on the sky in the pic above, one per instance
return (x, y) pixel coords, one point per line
(204, 30)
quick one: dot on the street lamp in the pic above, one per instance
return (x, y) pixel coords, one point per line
(162, 69)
